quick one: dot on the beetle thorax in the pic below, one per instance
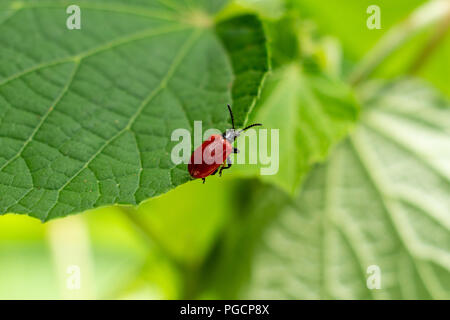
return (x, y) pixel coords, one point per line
(231, 135)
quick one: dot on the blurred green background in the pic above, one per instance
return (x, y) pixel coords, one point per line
(199, 241)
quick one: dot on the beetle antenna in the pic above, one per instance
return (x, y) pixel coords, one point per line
(231, 114)
(250, 126)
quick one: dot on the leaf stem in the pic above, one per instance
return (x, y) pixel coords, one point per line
(420, 18)
(433, 42)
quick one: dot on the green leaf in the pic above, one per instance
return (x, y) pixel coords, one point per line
(383, 198)
(242, 37)
(303, 99)
(312, 111)
(284, 40)
(86, 115)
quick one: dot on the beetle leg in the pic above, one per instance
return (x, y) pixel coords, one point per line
(203, 180)
(228, 166)
(236, 150)
(215, 172)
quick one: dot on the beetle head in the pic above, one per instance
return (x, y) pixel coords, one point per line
(231, 135)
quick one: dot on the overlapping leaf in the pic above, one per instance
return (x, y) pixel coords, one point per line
(311, 112)
(383, 199)
(304, 100)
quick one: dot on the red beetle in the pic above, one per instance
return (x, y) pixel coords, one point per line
(214, 152)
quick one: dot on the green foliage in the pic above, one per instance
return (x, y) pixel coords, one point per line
(313, 111)
(304, 99)
(245, 41)
(381, 199)
(87, 114)
(86, 117)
